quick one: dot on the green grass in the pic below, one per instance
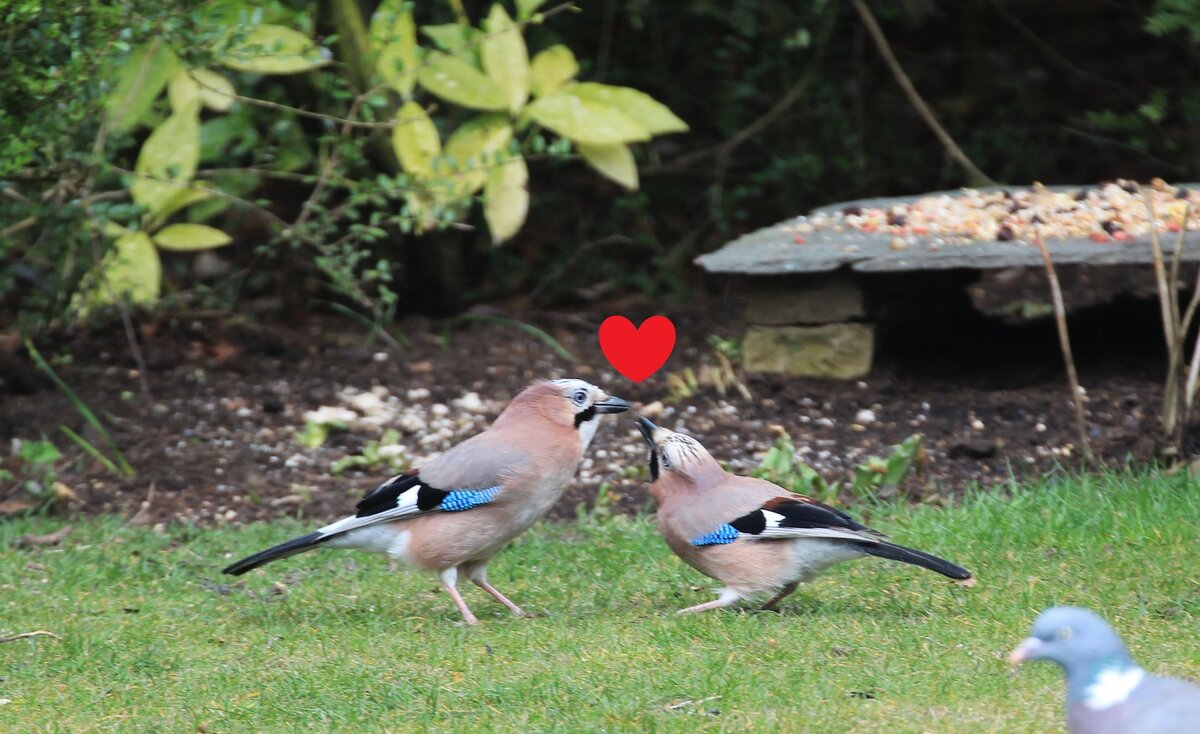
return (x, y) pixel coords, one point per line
(150, 642)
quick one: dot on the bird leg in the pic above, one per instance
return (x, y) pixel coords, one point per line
(783, 594)
(727, 597)
(449, 578)
(477, 572)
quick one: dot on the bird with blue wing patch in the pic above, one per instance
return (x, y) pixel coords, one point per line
(458, 510)
(753, 536)
(1107, 692)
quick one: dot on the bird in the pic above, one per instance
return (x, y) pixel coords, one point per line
(1107, 692)
(753, 536)
(456, 511)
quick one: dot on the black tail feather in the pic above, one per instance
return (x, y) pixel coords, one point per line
(894, 552)
(283, 550)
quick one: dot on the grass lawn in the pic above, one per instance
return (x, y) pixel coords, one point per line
(152, 640)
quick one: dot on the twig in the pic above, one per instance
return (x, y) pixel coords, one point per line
(615, 239)
(725, 149)
(296, 110)
(1064, 340)
(927, 114)
(785, 102)
(684, 704)
(136, 350)
(24, 224)
(1170, 321)
(35, 633)
(1051, 53)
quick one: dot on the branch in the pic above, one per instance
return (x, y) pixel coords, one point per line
(1064, 341)
(977, 176)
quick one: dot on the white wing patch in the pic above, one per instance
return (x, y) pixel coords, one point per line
(406, 506)
(773, 529)
(1112, 686)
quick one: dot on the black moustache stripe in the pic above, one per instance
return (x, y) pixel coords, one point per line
(653, 465)
(585, 415)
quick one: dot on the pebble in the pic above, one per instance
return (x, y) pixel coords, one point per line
(419, 393)
(977, 425)
(651, 410)
(330, 414)
(470, 403)
(864, 416)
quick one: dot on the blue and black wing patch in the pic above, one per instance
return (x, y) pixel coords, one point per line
(785, 517)
(408, 492)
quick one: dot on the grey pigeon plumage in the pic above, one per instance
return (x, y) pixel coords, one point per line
(1107, 692)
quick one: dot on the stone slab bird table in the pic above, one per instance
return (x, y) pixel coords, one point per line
(807, 313)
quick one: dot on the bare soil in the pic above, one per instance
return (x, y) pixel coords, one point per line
(215, 441)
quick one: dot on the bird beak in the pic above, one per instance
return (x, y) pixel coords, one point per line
(611, 405)
(647, 428)
(1024, 651)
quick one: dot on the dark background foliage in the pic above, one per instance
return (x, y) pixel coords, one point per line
(790, 106)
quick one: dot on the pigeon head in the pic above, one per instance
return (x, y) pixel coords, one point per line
(1080, 642)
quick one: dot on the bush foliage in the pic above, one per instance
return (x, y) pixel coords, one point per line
(344, 145)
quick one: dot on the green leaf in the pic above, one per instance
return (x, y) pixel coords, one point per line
(415, 140)
(394, 35)
(190, 237)
(216, 92)
(131, 272)
(453, 38)
(506, 199)
(584, 121)
(614, 162)
(651, 115)
(183, 92)
(138, 80)
(505, 58)
(271, 49)
(179, 199)
(551, 69)
(456, 81)
(473, 148)
(526, 8)
(171, 152)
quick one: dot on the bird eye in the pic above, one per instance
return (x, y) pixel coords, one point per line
(580, 397)
(1063, 633)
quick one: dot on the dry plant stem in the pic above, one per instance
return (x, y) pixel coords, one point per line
(910, 91)
(35, 633)
(1064, 340)
(1177, 262)
(1171, 332)
(22, 225)
(136, 350)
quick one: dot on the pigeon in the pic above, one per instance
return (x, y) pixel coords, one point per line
(1107, 692)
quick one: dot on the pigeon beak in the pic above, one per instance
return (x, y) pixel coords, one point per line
(611, 405)
(647, 428)
(1024, 651)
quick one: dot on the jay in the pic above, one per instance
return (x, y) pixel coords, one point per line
(458, 510)
(754, 537)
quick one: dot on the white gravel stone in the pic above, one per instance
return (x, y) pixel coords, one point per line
(864, 417)
(330, 414)
(470, 403)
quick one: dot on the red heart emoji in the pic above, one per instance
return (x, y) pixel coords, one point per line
(637, 352)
